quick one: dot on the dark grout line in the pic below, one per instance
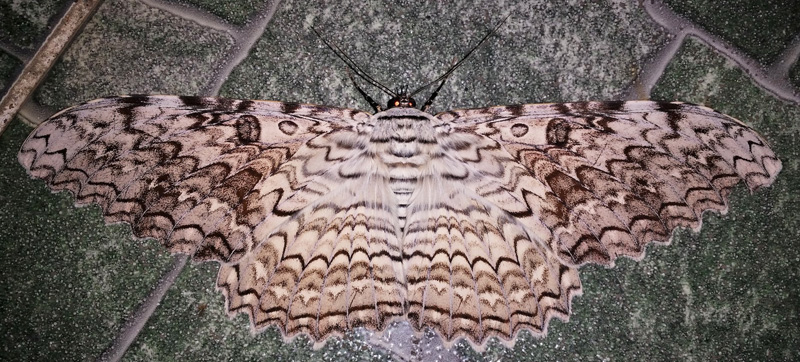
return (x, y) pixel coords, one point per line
(15, 51)
(393, 348)
(32, 113)
(244, 38)
(770, 79)
(400, 341)
(131, 329)
(787, 58)
(188, 12)
(652, 70)
(67, 27)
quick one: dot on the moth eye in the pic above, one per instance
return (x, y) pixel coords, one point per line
(396, 103)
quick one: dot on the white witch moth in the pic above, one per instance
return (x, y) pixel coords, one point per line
(470, 222)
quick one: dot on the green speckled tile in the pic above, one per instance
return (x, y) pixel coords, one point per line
(794, 75)
(191, 324)
(542, 53)
(129, 48)
(25, 22)
(234, 12)
(762, 28)
(741, 271)
(8, 67)
(68, 281)
(727, 293)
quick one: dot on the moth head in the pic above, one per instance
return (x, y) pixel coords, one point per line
(403, 98)
(401, 101)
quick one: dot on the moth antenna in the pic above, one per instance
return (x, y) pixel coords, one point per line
(443, 77)
(353, 66)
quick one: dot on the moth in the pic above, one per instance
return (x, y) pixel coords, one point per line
(473, 222)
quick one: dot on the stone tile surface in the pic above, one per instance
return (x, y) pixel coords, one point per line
(762, 28)
(191, 324)
(726, 293)
(794, 75)
(235, 12)
(68, 282)
(8, 65)
(25, 22)
(542, 53)
(130, 48)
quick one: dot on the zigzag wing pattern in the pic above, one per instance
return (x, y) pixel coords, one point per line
(335, 264)
(225, 180)
(519, 196)
(474, 269)
(472, 222)
(180, 168)
(606, 178)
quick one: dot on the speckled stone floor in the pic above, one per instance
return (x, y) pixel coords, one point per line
(75, 289)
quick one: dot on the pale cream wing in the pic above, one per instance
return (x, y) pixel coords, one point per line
(254, 185)
(523, 195)
(336, 263)
(474, 268)
(606, 178)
